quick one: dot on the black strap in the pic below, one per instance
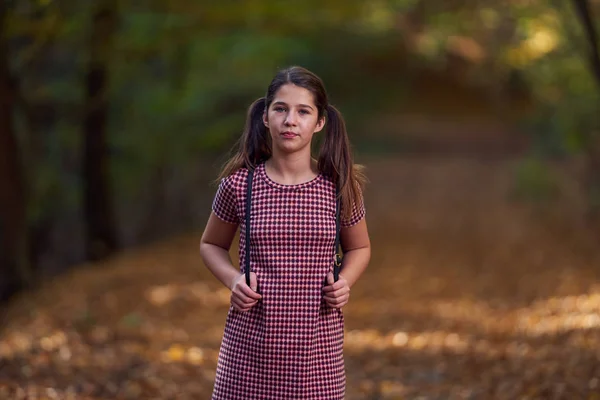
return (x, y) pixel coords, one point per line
(247, 241)
(337, 256)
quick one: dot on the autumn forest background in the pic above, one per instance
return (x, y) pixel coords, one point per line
(478, 122)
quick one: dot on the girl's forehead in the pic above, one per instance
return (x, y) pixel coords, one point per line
(292, 94)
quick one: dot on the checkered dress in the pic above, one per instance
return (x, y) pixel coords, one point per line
(290, 345)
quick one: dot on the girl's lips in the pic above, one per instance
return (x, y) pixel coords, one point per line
(288, 134)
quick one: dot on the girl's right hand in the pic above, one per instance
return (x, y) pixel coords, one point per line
(244, 297)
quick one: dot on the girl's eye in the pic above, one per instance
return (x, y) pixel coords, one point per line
(304, 112)
(279, 109)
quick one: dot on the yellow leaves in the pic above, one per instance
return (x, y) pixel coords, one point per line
(392, 390)
(21, 342)
(175, 353)
(178, 353)
(370, 338)
(542, 36)
(195, 355)
(196, 291)
(540, 42)
(560, 314)
(429, 341)
(471, 300)
(399, 339)
(53, 342)
(161, 295)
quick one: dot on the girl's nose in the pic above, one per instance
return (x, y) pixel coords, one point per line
(290, 118)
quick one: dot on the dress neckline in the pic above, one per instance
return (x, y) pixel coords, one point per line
(298, 186)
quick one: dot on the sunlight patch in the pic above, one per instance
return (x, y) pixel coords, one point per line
(195, 292)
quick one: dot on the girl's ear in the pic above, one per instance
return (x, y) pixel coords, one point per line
(265, 119)
(320, 124)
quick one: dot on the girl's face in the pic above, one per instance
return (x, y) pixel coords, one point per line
(292, 119)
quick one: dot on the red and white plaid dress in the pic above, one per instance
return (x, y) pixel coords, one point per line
(290, 345)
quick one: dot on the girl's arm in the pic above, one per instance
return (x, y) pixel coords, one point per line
(356, 246)
(357, 253)
(214, 250)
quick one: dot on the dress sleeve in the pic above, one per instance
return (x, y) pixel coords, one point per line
(358, 213)
(225, 202)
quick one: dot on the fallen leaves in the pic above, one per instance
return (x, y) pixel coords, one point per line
(465, 298)
(196, 291)
(177, 353)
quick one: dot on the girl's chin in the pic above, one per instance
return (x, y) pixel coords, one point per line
(289, 147)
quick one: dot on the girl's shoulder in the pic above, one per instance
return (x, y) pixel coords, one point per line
(237, 179)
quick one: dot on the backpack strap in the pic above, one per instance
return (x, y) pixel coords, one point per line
(337, 253)
(337, 258)
(247, 241)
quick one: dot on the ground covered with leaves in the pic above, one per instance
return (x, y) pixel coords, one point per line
(469, 295)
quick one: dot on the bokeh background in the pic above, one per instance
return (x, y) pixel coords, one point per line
(478, 122)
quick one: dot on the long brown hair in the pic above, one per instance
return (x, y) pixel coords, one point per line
(335, 156)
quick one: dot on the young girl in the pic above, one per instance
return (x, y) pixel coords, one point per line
(285, 329)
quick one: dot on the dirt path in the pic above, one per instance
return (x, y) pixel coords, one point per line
(466, 297)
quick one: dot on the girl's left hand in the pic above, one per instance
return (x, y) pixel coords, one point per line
(336, 294)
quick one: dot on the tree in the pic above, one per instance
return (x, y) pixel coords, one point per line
(15, 268)
(101, 238)
(584, 12)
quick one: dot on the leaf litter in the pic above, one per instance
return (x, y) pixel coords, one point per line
(468, 296)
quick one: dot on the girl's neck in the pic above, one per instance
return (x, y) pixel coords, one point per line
(291, 170)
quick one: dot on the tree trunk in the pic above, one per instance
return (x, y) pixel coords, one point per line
(15, 268)
(101, 238)
(584, 12)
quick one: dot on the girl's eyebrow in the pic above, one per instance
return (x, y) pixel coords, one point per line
(285, 104)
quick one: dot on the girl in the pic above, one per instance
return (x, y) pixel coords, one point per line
(284, 332)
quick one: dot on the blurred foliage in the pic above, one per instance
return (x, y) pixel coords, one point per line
(182, 76)
(567, 98)
(183, 73)
(534, 181)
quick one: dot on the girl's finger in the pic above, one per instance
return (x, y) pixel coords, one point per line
(241, 301)
(335, 287)
(330, 288)
(249, 302)
(245, 303)
(241, 297)
(236, 303)
(249, 293)
(338, 293)
(337, 305)
(330, 278)
(336, 300)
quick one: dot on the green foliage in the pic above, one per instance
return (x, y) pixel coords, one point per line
(567, 97)
(567, 105)
(170, 122)
(534, 182)
(131, 320)
(183, 73)
(54, 182)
